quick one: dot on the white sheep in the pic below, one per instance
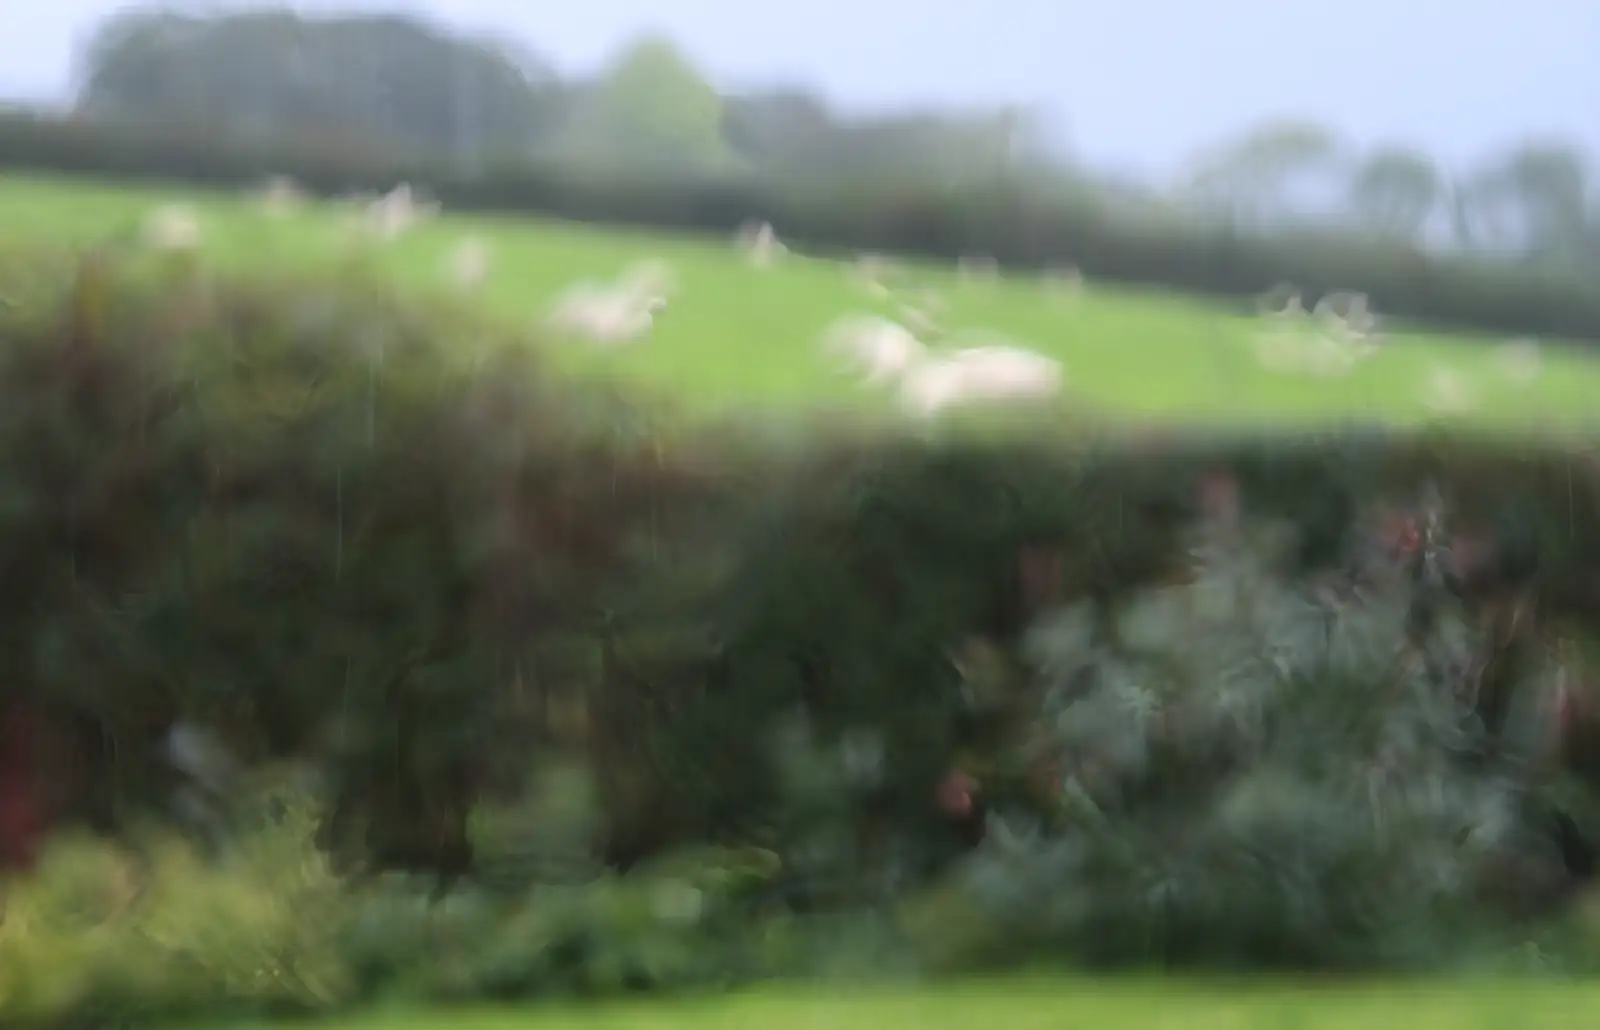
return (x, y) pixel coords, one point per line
(467, 266)
(618, 312)
(392, 214)
(1327, 342)
(605, 314)
(1281, 303)
(172, 228)
(280, 196)
(999, 372)
(872, 274)
(649, 278)
(1064, 282)
(933, 384)
(761, 245)
(625, 319)
(1290, 350)
(1521, 361)
(977, 269)
(879, 347)
(924, 313)
(1328, 357)
(1447, 392)
(979, 375)
(1347, 315)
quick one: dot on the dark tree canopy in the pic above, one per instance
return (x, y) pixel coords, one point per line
(389, 79)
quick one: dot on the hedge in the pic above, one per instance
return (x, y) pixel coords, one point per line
(1020, 229)
(652, 707)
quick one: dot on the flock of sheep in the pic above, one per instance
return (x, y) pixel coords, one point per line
(1341, 331)
(965, 368)
(930, 366)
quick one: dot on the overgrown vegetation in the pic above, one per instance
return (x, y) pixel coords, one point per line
(648, 707)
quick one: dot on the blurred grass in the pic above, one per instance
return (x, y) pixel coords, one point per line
(739, 337)
(1015, 1004)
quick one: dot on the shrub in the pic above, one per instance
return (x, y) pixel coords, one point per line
(515, 633)
(1253, 772)
(95, 935)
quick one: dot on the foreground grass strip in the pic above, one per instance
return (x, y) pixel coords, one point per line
(1030, 1005)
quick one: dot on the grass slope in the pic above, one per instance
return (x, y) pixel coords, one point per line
(1029, 1005)
(741, 337)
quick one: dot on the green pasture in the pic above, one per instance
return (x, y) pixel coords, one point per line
(1043, 1005)
(741, 337)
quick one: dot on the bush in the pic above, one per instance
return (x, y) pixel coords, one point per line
(96, 936)
(517, 631)
(1256, 775)
(1022, 229)
(269, 929)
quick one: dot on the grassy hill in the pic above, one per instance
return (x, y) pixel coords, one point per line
(737, 336)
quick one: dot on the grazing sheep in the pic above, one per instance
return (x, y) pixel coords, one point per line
(1326, 357)
(979, 375)
(614, 313)
(1447, 392)
(625, 319)
(761, 245)
(924, 313)
(1008, 372)
(872, 273)
(880, 348)
(280, 196)
(977, 269)
(1326, 343)
(1279, 351)
(1292, 351)
(1064, 283)
(605, 314)
(392, 214)
(1347, 315)
(1281, 303)
(650, 278)
(467, 266)
(172, 228)
(1521, 361)
(931, 385)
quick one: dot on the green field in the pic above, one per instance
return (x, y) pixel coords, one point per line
(1037, 1005)
(741, 337)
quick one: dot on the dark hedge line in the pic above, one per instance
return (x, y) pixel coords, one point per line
(842, 701)
(908, 217)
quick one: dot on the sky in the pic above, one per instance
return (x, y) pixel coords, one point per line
(1130, 85)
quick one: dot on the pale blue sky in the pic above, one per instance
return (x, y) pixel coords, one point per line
(1138, 84)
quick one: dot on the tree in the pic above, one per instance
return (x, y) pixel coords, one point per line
(777, 129)
(1396, 190)
(386, 79)
(1543, 189)
(1255, 177)
(652, 108)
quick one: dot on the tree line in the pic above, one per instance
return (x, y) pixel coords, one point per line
(402, 83)
(399, 83)
(360, 104)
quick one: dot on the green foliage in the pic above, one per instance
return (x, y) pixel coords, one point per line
(93, 936)
(1255, 772)
(389, 81)
(653, 112)
(327, 532)
(270, 929)
(518, 633)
